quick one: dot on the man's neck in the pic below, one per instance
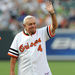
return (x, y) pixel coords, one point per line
(26, 32)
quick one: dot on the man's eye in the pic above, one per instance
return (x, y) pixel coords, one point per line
(34, 23)
(30, 24)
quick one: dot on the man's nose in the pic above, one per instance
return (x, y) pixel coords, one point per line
(33, 25)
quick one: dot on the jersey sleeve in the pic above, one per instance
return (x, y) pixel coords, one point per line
(13, 50)
(47, 33)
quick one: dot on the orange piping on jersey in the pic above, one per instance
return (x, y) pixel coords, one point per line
(50, 32)
(12, 55)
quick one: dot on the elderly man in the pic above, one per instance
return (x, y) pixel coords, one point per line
(29, 46)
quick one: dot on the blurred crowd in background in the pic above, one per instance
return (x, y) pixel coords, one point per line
(12, 13)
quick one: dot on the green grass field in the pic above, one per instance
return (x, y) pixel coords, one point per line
(57, 67)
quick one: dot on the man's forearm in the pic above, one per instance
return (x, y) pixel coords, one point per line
(54, 21)
(12, 65)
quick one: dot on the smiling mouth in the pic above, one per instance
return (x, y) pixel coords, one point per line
(33, 31)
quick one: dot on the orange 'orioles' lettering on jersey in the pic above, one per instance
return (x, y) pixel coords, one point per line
(22, 48)
(36, 41)
(26, 46)
(32, 44)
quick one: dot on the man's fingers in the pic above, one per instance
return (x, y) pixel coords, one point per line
(48, 3)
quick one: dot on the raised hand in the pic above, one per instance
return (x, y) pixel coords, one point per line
(49, 7)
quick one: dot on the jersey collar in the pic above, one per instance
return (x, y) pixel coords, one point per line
(27, 34)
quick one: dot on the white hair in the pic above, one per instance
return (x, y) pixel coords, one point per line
(27, 17)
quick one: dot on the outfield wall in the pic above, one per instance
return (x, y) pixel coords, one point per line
(5, 42)
(62, 46)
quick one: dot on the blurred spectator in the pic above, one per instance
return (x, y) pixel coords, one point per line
(48, 20)
(72, 18)
(40, 1)
(12, 13)
(64, 23)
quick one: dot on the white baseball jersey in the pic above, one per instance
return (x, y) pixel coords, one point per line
(31, 52)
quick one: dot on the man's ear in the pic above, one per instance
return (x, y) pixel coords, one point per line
(24, 25)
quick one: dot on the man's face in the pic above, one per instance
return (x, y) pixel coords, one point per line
(30, 25)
